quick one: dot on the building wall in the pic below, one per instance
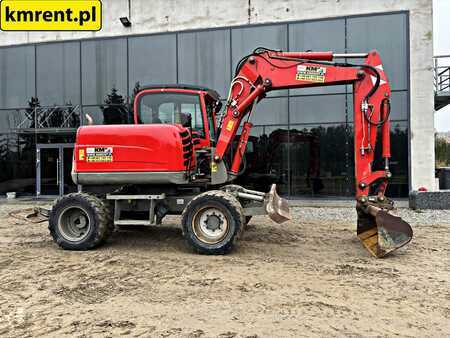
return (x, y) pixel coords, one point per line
(167, 15)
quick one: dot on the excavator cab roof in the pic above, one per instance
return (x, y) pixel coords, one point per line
(211, 92)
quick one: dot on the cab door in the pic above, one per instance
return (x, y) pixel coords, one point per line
(209, 116)
(168, 106)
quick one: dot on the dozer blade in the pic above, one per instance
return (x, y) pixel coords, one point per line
(381, 232)
(276, 207)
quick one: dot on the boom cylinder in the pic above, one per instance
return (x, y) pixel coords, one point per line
(242, 145)
(250, 99)
(350, 56)
(324, 56)
(385, 129)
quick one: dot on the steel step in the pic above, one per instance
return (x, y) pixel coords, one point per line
(132, 222)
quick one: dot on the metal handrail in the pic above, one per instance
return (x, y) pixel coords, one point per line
(441, 74)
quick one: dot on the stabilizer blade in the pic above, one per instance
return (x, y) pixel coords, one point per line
(276, 207)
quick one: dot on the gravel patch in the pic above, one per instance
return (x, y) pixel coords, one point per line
(414, 217)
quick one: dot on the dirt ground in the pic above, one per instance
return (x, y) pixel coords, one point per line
(303, 278)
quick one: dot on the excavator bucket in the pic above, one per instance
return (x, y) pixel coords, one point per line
(276, 207)
(381, 232)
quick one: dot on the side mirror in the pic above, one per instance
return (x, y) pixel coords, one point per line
(218, 106)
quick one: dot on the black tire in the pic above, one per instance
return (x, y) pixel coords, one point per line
(227, 214)
(79, 221)
(109, 205)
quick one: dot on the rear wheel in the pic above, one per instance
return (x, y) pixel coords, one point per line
(212, 222)
(79, 221)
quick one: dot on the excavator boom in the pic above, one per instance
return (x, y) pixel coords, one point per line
(266, 70)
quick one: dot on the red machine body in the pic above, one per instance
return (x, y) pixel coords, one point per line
(122, 149)
(147, 152)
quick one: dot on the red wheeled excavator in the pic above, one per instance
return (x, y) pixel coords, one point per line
(173, 159)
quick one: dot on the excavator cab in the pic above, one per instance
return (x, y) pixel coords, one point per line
(192, 107)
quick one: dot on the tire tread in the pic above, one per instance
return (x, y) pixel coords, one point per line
(236, 211)
(102, 222)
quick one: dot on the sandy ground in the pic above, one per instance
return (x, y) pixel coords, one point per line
(304, 278)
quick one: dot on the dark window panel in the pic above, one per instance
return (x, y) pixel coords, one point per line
(69, 185)
(67, 136)
(17, 77)
(386, 34)
(17, 163)
(58, 73)
(319, 160)
(16, 119)
(278, 151)
(152, 60)
(399, 163)
(326, 35)
(104, 68)
(399, 106)
(245, 40)
(204, 59)
(271, 111)
(94, 112)
(267, 159)
(107, 114)
(317, 109)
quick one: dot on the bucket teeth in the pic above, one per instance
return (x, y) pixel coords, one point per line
(382, 233)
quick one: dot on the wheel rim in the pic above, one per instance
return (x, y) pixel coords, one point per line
(210, 225)
(74, 224)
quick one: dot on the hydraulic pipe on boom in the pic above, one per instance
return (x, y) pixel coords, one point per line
(265, 70)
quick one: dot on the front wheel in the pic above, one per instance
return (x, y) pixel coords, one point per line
(212, 222)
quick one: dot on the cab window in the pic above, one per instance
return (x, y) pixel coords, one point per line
(172, 108)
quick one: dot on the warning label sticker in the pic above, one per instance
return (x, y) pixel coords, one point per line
(99, 154)
(310, 73)
(213, 167)
(230, 125)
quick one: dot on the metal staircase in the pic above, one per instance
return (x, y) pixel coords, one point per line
(441, 81)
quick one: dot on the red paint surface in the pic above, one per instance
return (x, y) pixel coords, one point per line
(136, 148)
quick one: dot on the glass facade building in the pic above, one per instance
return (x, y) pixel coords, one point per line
(302, 139)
